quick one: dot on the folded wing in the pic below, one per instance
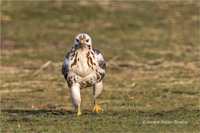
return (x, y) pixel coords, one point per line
(65, 66)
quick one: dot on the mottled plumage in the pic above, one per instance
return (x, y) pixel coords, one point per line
(83, 67)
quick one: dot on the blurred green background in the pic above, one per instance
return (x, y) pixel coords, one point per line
(151, 51)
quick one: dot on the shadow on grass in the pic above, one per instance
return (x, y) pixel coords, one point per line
(40, 111)
(128, 112)
(47, 112)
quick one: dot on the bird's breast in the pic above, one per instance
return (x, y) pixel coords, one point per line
(82, 63)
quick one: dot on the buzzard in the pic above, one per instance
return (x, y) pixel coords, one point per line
(84, 66)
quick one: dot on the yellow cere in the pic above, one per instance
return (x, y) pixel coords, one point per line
(82, 41)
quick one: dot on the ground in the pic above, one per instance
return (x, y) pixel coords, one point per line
(152, 55)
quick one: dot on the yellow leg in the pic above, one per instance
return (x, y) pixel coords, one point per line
(96, 107)
(79, 111)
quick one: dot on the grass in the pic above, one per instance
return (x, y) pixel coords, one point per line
(65, 120)
(151, 51)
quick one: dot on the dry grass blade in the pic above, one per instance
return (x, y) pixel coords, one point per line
(44, 66)
(16, 90)
(112, 60)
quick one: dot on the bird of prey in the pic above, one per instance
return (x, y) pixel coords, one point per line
(84, 66)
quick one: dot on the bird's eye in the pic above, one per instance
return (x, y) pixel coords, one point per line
(77, 40)
(87, 40)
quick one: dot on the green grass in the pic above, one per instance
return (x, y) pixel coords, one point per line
(126, 120)
(152, 54)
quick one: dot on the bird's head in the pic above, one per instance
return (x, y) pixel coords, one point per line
(82, 40)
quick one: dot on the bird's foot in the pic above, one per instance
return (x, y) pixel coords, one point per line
(97, 108)
(79, 113)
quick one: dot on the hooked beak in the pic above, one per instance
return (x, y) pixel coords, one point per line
(81, 43)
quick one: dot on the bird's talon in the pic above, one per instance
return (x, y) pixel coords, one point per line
(97, 108)
(79, 113)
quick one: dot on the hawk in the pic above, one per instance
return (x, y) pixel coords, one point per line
(84, 66)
